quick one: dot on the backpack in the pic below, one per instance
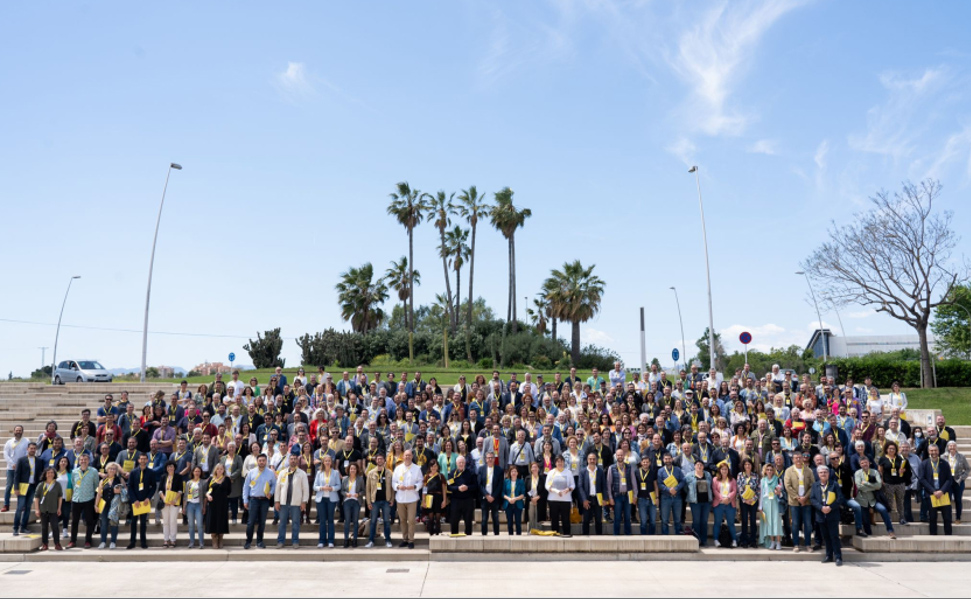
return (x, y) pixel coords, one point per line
(725, 536)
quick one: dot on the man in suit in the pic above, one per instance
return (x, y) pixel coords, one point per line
(490, 482)
(591, 486)
(620, 482)
(463, 488)
(705, 452)
(498, 444)
(937, 481)
(726, 453)
(206, 455)
(141, 487)
(827, 498)
(25, 479)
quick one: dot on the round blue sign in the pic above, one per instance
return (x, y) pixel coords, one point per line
(745, 337)
(675, 355)
(232, 356)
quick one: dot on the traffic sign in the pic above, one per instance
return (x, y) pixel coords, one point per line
(232, 356)
(675, 355)
(745, 337)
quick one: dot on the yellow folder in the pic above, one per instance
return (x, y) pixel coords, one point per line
(22, 488)
(944, 500)
(671, 481)
(830, 498)
(101, 506)
(427, 501)
(141, 508)
(654, 497)
(600, 499)
(172, 497)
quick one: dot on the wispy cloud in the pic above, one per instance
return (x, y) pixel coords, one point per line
(595, 336)
(894, 127)
(769, 147)
(684, 149)
(712, 57)
(516, 43)
(822, 153)
(293, 82)
(860, 314)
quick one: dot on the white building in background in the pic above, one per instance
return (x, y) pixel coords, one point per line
(861, 345)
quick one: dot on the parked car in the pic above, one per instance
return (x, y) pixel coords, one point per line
(81, 371)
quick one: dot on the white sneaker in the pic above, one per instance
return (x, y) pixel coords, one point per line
(101, 546)
(734, 544)
(387, 545)
(717, 544)
(331, 546)
(319, 546)
(112, 546)
(369, 545)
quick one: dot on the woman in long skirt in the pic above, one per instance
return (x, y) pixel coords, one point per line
(770, 523)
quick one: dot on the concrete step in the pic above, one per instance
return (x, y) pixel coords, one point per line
(561, 545)
(908, 530)
(932, 544)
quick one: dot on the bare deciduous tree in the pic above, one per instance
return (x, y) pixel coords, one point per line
(895, 257)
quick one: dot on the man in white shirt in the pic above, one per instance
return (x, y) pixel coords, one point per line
(235, 384)
(291, 497)
(617, 375)
(13, 450)
(407, 483)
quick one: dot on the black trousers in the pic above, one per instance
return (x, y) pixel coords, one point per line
(830, 528)
(81, 510)
(560, 517)
(463, 509)
(52, 521)
(139, 523)
(595, 514)
(490, 509)
(946, 513)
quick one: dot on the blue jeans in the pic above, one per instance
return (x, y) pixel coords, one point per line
(352, 510)
(514, 515)
(802, 517)
(883, 513)
(727, 512)
(193, 512)
(258, 509)
(107, 527)
(289, 514)
(670, 507)
(381, 508)
(857, 513)
(325, 510)
(647, 515)
(909, 496)
(24, 506)
(699, 521)
(9, 486)
(621, 510)
(957, 494)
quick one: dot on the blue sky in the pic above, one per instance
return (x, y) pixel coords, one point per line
(294, 123)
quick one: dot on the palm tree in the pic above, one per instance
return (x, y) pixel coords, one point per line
(471, 206)
(360, 297)
(399, 279)
(441, 208)
(440, 311)
(507, 219)
(458, 254)
(539, 313)
(407, 207)
(575, 293)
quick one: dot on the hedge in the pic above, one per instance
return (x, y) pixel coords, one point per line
(884, 371)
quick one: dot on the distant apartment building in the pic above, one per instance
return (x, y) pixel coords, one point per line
(208, 368)
(861, 345)
(166, 372)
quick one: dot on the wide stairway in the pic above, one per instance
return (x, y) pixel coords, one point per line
(34, 405)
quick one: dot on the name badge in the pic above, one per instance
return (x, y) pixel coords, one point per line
(643, 486)
(141, 487)
(346, 462)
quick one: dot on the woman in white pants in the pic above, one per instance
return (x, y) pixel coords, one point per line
(170, 493)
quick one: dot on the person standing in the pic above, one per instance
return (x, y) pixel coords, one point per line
(560, 485)
(591, 486)
(352, 488)
(25, 478)
(85, 481)
(170, 493)
(258, 491)
(327, 485)
(725, 502)
(697, 485)
(620, 482)
(141, 488)
(937, 481)
(491, 485)
(218, 490)
(463, 486)
(47, 505)
(108, 502)
(770, 498)
(798, 481)
(670, 483)
(290, 499)
(380, 499)
(747, 485)
(826, 497)
(959, 472)
(647, 493)
(407, 483)
(514, 494)
(13, 451)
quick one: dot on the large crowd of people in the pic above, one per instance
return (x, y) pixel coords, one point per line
(778, 460)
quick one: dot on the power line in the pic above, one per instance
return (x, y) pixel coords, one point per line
(122, 330)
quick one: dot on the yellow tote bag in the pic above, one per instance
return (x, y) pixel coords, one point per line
(141, 508)
(748, 493)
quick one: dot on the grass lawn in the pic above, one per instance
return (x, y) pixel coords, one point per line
(954, 402)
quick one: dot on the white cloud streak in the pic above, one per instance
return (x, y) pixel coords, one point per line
(293, 82)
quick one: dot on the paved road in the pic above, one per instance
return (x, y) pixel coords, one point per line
(508, 579)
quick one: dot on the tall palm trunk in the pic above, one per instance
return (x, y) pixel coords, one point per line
(448, 285)
(554, 328)
(575, 343)
(468, 316)
(509, 291)
(458, 299)
(512, 278)
(411, 293)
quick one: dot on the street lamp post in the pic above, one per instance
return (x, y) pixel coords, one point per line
(822, 333)
(58, 334)
(704, 236)
(151, 265)
(678, 302)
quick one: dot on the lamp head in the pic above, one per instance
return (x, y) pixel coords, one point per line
(693, 169)
(800, 272)
(175, 166)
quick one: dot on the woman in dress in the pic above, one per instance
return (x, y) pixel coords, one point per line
(770, 489)
(217, 505)
(65, 477)
(435, 499)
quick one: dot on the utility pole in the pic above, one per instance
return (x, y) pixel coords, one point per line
(43, 354)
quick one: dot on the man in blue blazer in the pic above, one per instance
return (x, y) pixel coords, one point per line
(141, 487)
(591, 486)
(620, 483)
(490, 482)
(936, 480)
(827, 498)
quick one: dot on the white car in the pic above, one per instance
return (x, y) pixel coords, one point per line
(81, 371)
